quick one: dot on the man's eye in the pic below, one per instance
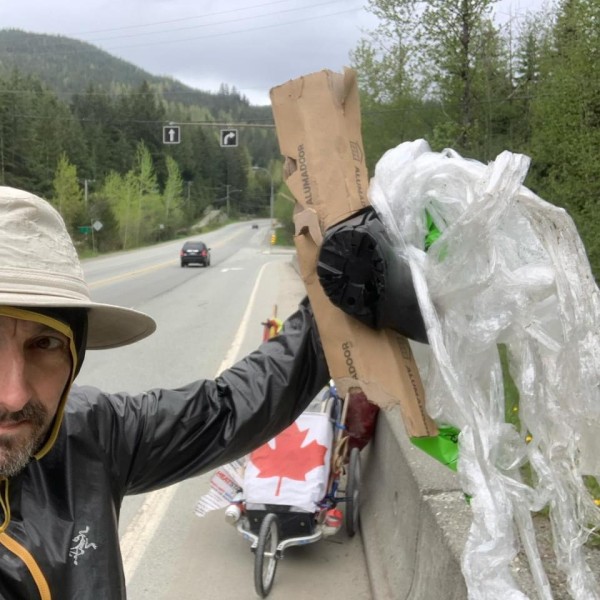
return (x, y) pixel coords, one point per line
(48, 342)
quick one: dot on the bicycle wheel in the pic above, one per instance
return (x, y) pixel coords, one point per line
(351, 515)
(265, 557)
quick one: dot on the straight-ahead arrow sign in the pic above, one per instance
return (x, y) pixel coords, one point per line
(171, 134)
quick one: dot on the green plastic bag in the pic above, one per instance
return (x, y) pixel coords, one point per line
(443, 446)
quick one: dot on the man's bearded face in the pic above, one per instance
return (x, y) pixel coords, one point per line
(30, 425)
(35, 365)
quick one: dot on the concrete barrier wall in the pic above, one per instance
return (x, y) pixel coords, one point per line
(414, 519)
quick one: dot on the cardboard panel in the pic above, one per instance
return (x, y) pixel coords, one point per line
(319, 130)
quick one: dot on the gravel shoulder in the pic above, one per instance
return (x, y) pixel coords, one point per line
(556, 577)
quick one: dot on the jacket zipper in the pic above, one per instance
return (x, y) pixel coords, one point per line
(22, 552)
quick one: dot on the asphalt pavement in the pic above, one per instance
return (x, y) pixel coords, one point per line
(186, 557)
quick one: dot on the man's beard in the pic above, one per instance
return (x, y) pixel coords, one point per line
(17, 449)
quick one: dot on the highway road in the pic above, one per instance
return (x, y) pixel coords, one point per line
(207, 318)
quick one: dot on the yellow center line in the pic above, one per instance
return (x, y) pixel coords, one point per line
(129, 274)
(156, 267)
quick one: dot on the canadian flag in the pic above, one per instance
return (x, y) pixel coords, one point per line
(292, 469)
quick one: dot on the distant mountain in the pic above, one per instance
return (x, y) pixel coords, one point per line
(69, 66)
(74, 99)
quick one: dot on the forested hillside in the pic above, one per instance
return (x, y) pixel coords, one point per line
(68, 66)
(447, 72)
(85, 130)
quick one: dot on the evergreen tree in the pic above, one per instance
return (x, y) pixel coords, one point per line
(236, 166)
(566, 119)
(95, 111)
(525, 75)
(140, 116)
(35, 129)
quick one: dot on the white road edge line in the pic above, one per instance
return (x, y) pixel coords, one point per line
(144, 525)
(243, 328)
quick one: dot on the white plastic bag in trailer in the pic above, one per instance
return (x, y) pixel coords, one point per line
(293, 468)
(508, 268)
(225, 487)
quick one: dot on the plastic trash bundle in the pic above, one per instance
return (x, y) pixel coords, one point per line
(225, 487)
(507, 268)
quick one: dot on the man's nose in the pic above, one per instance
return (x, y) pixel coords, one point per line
(15, 392)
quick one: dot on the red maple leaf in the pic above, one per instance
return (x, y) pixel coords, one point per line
(288, 458)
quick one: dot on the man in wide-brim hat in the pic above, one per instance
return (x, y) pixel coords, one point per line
(68, 454)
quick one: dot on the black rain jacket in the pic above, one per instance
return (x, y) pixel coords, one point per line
(62, 539)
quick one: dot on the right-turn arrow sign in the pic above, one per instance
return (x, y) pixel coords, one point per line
(229, 137)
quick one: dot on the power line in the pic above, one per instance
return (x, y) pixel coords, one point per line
(257, 122)
(223, 22)
(236, 32)
(223, 12)
(161, 122)
(109, 49)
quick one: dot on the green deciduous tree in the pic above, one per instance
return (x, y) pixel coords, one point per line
(118, 191)
(445, 71)
(148, 202)
(172, 197)
(391, 83)
(434, 69)
(68, 197)
(464, 52)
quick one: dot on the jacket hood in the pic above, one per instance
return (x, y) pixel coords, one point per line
(72, 324)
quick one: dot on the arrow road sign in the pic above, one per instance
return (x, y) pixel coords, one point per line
(171, 134)
(229, 137)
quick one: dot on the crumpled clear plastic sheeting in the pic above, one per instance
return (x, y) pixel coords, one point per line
(508, 268)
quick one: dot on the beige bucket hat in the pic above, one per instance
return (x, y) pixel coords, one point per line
(39, 267)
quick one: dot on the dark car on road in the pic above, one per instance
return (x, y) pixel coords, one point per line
(195, 253)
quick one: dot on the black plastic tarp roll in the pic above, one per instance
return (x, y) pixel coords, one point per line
(362, 274)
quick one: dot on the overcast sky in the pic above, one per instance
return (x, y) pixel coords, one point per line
(250, 44)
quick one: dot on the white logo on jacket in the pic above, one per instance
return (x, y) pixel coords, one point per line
(81, 545)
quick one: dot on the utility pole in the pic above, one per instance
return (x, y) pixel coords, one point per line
(2, 157)
(86, 183)
(271, 201)
(86, 190)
